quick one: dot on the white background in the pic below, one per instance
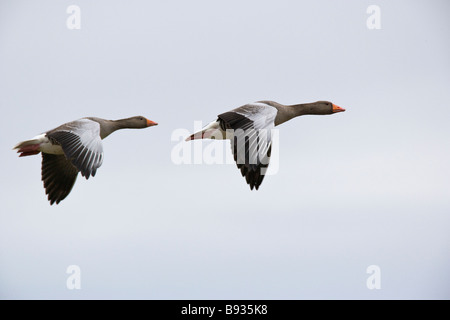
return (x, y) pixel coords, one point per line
(370, 186)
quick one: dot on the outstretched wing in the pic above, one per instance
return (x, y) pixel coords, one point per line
(251, 141)
(81, 143)
(58, 175)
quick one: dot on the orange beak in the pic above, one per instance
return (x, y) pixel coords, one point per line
(337, 109)
(151, 123)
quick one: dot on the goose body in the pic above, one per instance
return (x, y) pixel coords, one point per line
(249, 129)
(73, 147)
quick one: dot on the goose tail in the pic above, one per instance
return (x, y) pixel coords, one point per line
(210, 131)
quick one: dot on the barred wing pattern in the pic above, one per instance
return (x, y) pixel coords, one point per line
(82, 145)
(251, 144)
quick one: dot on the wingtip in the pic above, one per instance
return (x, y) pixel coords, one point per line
(17, 146)
(86, 175)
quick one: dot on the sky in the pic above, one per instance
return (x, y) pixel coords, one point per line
(363, 190)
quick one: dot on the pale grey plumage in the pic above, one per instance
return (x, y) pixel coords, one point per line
(74, 147)
(251, 125)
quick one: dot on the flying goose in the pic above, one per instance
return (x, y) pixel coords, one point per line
(249, 129)
(71, 148)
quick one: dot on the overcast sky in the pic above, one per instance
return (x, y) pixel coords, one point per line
(370, 186)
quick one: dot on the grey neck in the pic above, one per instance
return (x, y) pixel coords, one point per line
(287, 112)
(109, 126)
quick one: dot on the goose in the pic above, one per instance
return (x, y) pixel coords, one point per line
(74, 147)
(249, 129)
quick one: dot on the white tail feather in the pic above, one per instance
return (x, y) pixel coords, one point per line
(211, 130)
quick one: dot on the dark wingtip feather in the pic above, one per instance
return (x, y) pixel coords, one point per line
(58, 175)
(85, 174)
(251, 172)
